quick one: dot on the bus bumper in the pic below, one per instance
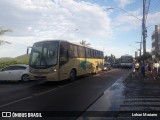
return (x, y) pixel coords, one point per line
(47, 77)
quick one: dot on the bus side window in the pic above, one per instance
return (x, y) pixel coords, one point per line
(81, 51)
(73, 52)
(63, 53)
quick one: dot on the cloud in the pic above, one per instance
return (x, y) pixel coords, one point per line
(18, 45)
(123, 3)
(127, 21)
(32, 20)
(55, 18)
(153, 19)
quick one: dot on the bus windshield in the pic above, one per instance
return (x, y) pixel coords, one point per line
(126, 59)
(44, 54)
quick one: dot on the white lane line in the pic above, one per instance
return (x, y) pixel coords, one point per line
(105, 72)
(61, 86)
(22, 99)
(15, 101)
(67, 84)
(36, 94)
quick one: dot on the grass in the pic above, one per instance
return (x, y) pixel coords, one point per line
(23, 59)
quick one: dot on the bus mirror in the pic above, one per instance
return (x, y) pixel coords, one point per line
(28, 49)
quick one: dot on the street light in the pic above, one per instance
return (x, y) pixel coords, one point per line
(74, 33)
(133, 46)
(124, 11)
(144, 29)
(133, 50)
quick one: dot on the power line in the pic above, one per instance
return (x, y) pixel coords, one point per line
(146, 14)
(129, 13)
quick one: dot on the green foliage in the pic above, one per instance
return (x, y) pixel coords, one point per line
(111, 58)
(23, 59)
(106, 58)
(3, 31)
(147, 56)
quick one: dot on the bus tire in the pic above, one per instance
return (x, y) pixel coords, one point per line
(72, 75)
(96, 70)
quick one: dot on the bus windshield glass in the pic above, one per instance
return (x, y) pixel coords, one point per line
(44, 54)
(126, 59)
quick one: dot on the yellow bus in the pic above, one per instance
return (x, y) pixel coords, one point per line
(55, 60)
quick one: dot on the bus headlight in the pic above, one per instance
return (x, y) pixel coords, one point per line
(53, 69)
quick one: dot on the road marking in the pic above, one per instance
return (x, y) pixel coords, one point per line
(22, 99)
(15, 101)
(36, 94)
(105, 72)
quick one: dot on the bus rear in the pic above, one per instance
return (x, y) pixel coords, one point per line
(126, 61)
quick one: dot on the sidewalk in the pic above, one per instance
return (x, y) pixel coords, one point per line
(141, 94)
(129, 95)
(142, 86)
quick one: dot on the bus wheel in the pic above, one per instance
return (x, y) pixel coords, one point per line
(96, 70)
(73, 75)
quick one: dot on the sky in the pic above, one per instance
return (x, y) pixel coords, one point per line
(113, 26)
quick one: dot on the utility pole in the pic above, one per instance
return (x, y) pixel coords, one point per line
(144, 30)
(140, 48)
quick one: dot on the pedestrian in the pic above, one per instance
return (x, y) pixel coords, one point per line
(136, 67)
(143, 69)
(149, 69)
(155, 69)
(146, 68)
(156, 65)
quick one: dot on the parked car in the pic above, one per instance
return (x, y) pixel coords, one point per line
(15, 72)
(106, 66)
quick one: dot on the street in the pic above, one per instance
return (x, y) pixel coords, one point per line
(58, 96)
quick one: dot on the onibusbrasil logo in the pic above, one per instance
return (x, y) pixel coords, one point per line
(21, 114)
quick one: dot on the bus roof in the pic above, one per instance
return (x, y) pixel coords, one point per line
(127, 55)
(68, 42)
(51, 40)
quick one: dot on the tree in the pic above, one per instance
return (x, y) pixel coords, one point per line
(84, 43)
(2, 32)
(146, 56)
(106, 58)
(110, 58)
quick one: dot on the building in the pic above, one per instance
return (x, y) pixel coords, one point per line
(136, 54)
(156, 42)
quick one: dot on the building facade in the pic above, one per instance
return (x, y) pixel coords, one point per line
(156, 42)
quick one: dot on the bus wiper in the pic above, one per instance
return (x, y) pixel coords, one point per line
(44, 61)
(36, 60)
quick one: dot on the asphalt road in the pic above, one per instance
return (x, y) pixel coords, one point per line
(77, 96)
